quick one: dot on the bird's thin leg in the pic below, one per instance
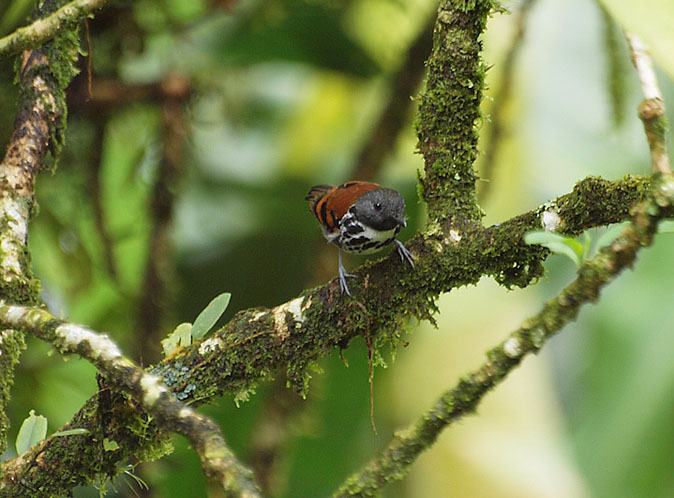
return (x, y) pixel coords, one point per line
(405, 255)
(342, 276)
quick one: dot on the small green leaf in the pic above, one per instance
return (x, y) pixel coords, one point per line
(210, 315)
(32, 431)
(181, 336)
(72, 432)
(558, 244)
(184, 333)
(110, 444)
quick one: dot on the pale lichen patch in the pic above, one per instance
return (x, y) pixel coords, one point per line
(209, 345)
(101, 345)
(14, 314)
(152, 388)
(550, 219)
(13, 237)
(293, 307)
(453, 238)
(512, 348)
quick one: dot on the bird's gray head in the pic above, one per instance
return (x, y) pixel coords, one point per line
(381, 209)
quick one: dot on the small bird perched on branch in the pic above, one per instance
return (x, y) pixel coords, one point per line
(359, 217)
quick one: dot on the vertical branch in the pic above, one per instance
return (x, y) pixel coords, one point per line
(23, 159)
(652, 108)
(449, 110)
(38, 128)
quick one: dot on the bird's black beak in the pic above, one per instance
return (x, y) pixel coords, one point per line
(402, 222)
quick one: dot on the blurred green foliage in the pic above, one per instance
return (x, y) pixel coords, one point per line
(284, 95)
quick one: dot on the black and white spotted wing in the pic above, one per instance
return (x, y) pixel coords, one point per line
(354, 237)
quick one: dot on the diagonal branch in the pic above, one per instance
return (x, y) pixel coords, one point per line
(147, 389)
(395, 460)
(44, 29)
(260, 341)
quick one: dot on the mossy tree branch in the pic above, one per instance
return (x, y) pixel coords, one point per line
(449, 110)
(260, 341)
(44, 29)
(454, 250)
(146, 389)
(395, 460)
(407, 444)
(38, 128)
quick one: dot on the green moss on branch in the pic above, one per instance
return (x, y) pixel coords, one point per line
(260, 341)
(395, 460)
(449, 110)
(43, 29)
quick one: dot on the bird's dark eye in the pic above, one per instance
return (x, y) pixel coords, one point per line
(377, 206)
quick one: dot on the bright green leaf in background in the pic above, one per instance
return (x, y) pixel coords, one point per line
(32, 431)
(652, 21)
(210, 315)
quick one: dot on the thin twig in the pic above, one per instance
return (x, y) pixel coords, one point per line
(652, 109)
(644, 65)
